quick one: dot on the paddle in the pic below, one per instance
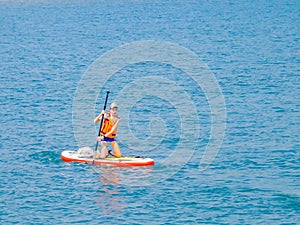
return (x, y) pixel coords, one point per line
(99, 133)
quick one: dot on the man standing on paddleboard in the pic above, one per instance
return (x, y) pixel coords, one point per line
(109, 130)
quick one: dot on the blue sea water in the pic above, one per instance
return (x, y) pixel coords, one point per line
(252, 49)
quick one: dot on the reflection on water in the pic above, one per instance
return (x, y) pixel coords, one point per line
(133, 176)
(112, 179)
(109, 175)
(109, 200)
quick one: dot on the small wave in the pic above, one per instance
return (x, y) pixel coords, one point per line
(47, 157)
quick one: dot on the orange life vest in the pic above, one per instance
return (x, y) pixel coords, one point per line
(107, 125)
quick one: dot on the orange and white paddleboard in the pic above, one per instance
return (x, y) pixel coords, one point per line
(124, 161)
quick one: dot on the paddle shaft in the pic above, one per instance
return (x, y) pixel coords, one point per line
(101, 122)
